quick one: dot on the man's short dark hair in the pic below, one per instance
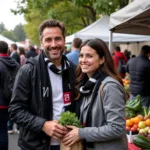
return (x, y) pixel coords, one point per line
(3, 47)
(31, 48)
(14, 46)
(49, 24)
(76, 42)
(145, 50)
(117, 48)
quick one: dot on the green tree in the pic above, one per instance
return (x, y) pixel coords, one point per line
(76, 14)
(75, 18)
(101, 6)
(19, 32)
(34, 18)
(9, 35)
(2, 27)
(94, 7)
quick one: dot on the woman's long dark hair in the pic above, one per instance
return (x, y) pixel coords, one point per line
(107, 67)
(21, 51)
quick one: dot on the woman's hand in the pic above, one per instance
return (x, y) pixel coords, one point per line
(71, 137)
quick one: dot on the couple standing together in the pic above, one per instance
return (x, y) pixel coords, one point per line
(47, 85)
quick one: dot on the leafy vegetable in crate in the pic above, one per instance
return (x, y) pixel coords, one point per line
(69, 118)
(136, 104)
(146, 111)
(130, 113)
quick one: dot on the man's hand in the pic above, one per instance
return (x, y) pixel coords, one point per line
(52, 128)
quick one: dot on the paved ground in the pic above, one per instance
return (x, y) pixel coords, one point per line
(13, 142)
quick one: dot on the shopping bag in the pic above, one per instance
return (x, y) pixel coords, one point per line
(77, 146)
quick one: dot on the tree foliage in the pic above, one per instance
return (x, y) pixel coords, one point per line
(2, 27)
(9, 35)
(76, 14)
(75, 18)
(19, 32)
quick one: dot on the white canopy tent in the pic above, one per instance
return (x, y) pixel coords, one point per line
(20, 45)
(100, 29)
(9, 42)
(132, 19)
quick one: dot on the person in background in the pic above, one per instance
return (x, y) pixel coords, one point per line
(66, 51)
(13, 52)
(139, 71)
(119, 56)
(73, 56)
(43, 89)
(37, 49)
(127, 54)
(8, 66)
(21, 53)
(100, 101)
(132, 56)
(16, 57)
(31, 52)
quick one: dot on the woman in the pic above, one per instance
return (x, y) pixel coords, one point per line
(21, 53)
(102, 116)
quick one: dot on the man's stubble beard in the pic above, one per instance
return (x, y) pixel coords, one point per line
(48, 55)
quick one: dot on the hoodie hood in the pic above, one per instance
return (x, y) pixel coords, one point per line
(9, 62)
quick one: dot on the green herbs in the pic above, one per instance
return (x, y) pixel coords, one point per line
(135, 105)
(69, 118)
(130, 113)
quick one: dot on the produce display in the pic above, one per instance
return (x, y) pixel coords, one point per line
(137, 119)
(138, 122)
(126, 83)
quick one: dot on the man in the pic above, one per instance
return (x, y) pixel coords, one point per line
(42, 91)
(16, 57)
(139, 71)
(119, 56)
(13, 52)
(73, 56)
(31, 52)
(8, 70)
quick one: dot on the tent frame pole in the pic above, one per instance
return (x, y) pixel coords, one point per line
(110, 41)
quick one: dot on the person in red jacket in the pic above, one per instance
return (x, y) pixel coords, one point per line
(118, 55)
(8, 71)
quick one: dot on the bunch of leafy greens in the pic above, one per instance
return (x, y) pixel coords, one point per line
(69, 118)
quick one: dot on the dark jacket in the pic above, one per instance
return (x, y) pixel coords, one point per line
(16, 57)
(27, 107)
(139, 71)
(7, 64)
(31, 53)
